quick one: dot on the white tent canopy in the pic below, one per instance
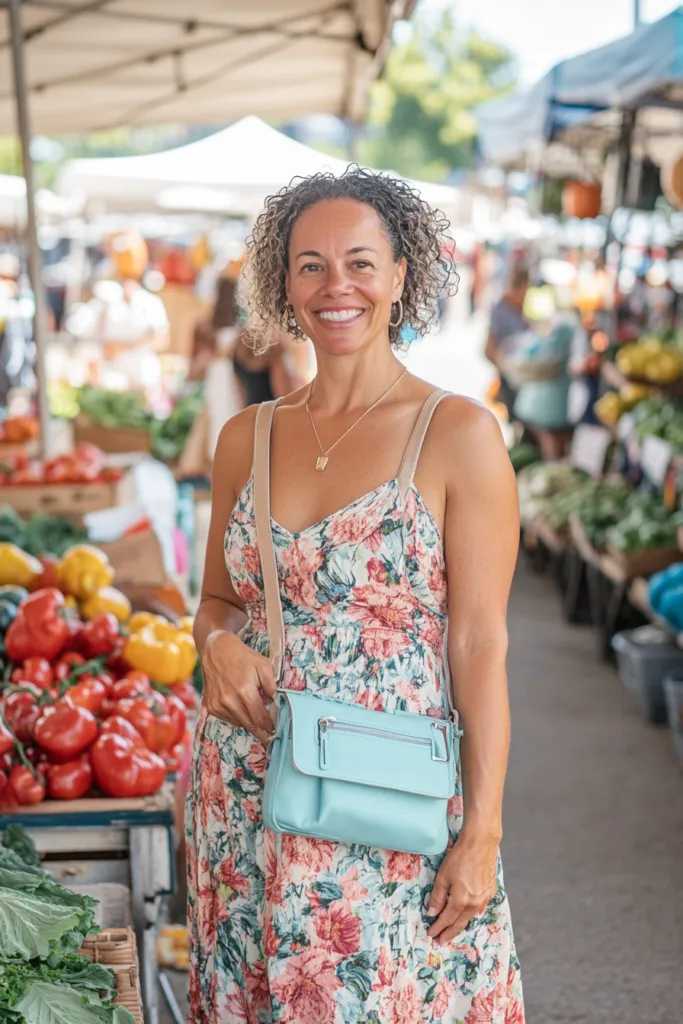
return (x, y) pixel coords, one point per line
(99, 64)
(230, 171)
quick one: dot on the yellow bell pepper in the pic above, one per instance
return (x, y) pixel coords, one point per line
(159, 659)
(165, 653)
(83, 570)
(140, 620)
(106, 599)
(17, 568)
(186, 623)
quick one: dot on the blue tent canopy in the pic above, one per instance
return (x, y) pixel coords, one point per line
(643, 69)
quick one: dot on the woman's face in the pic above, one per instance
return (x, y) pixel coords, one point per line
(342, 277)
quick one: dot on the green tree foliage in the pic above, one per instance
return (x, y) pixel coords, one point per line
(421, 120)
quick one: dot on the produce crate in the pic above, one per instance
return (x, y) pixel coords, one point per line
(631, 564)
(645, 657)
(67, 499)
(543, 532)
(113, 440)
(115, 946)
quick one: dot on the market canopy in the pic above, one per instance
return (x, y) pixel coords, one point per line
(581, 99)
(100, 64)
(230, 171)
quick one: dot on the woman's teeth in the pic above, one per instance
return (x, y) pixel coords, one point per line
(339, 314)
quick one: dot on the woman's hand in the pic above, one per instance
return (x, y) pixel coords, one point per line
(466, 883)
(237, 684)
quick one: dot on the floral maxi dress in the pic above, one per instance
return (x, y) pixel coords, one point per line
(302, 931)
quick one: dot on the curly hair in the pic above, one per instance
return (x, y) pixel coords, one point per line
(415, 231)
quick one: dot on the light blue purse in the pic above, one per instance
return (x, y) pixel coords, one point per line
(336, 770)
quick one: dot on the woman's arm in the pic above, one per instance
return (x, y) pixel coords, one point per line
(235, 677)
(481, 541)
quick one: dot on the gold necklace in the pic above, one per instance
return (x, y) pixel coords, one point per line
(324, 457)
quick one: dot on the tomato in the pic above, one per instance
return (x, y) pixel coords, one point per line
(173, 758)
(66, 664)
(59, 470)
(34, 670)
(110, 474)
(71, 780)
(135, 684)
(88, 692)
(178, 715)
(6, 739)
(116, 663)
(100, 635)
(31, 475)
(35, 755)
(48, 577)
(66, 729)
(152, 720)
(29, 788)
(186, 693)
(123, 770)
(21, 714)
(122, 727)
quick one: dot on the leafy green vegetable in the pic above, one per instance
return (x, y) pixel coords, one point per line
(73, 969)
(114, 408)
(169, 436)
(30, 927)
(14, 838)
(48, 1003)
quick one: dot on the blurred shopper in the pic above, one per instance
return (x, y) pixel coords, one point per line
(395, 531)
(507, 321)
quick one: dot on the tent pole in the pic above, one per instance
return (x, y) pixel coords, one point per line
(34, 257)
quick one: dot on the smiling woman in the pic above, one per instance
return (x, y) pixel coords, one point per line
(358, 877)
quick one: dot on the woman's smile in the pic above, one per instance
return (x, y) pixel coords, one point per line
(340, 317)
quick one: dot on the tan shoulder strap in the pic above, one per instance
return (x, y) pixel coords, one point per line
(264, 536)
(412, 453)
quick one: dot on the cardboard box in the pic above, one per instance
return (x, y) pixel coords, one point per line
(113, 440)
(67, 499)
(137, 560)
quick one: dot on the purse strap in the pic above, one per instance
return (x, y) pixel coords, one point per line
(275, 623)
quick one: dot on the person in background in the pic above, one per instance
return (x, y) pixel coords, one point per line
(507, 320)
(218, 333)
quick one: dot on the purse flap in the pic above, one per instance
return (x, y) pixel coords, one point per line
(337, 740)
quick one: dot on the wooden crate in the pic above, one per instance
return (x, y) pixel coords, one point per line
(68, 499)
(621, 565)
(113, 440)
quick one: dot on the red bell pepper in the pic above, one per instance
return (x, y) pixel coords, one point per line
(34, 670)
(89, 692)
(135, 684)
(40, 628)
(122, 727)
(21, 712)
(71, 780)
(100, 635)
(151, 718)
(124, 770)
(28, 786)
(6, 738)
(66, 664)
(178, 715)
(66, 729)
(186, 693)
(48, 577)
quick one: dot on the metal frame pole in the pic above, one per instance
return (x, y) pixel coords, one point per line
(35, 262)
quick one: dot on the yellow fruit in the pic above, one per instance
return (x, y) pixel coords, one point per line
(632, 361)
(609, 408)
(631, 394)
(664, 368)
(651, 345)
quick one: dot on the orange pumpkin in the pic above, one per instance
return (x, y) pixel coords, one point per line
(581, 199)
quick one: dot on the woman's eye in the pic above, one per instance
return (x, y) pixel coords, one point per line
(308, 267)
(362, 264)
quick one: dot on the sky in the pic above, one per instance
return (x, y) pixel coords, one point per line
(542, 32)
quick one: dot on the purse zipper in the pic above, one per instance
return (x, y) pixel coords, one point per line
(325, 724)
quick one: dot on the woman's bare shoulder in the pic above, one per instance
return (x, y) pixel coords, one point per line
(467, 441)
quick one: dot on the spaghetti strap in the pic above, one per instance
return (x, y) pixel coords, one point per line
(411, 455)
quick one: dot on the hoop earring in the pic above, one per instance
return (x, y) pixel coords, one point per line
(397, 323)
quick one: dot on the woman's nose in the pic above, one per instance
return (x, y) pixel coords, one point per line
(337, 281)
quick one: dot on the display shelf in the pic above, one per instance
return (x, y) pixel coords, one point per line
(112, 841)
(614, 378)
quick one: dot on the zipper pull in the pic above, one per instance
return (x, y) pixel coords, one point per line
(322, 742)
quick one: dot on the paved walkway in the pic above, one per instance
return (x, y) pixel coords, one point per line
(593, 849)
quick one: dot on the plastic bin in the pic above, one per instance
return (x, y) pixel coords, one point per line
(673, 693)
(645, 657)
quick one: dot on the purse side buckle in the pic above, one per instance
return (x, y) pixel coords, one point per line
(444, 729)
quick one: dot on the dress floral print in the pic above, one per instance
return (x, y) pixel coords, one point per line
(302, 931)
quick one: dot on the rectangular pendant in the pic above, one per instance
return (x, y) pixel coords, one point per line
(322, 462)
